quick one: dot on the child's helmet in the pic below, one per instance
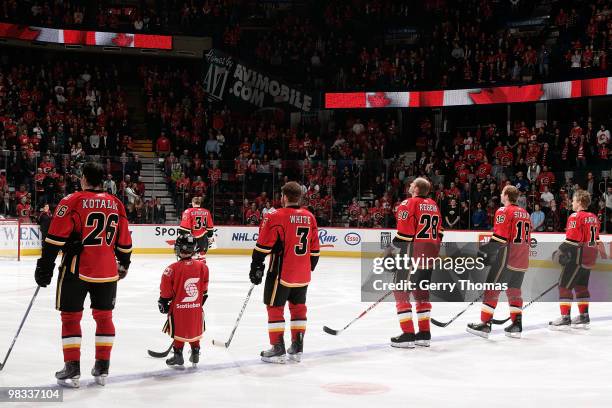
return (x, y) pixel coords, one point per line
(185, 246)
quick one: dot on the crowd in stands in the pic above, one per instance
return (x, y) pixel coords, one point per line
(352, 175)
(54, 115)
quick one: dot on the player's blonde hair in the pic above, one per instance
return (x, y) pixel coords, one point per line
(583, 198)
(423, 185)
(196, 201)
(512, 193)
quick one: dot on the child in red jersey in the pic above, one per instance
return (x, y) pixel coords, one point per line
(183, 291)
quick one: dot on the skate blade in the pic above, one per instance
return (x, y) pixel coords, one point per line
(581, 326)
(484, 335)
(423, 343)
(514, 335)
(176, 366)
(404, 345)
(194, 365)
(565, 327)
(101, 379)
(274, 360)
(70, 383)
(296, 358)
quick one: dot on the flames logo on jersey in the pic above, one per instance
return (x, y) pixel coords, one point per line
(191, 288)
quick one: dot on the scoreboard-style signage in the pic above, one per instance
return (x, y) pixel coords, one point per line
(471, 96)
(79, 37)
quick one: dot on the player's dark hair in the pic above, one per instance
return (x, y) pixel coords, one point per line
(93, 173)
(293, 191)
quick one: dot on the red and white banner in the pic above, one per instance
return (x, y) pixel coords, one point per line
(96, 38)
(472, 96)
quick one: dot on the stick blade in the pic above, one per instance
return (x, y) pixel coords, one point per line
(219, 343)
(439, 324)
(157, 354)
(331, 331)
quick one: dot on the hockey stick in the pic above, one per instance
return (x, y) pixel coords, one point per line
(160, 354)
(444, 324)
(372, 306)
(226, 344)
(495, 321)
(8, 353)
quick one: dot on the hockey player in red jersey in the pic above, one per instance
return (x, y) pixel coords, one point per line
(577, 254)
(198, 222)
(508, 254)
(291, 238)
(183, 291)
(91, 229)
(419, 233)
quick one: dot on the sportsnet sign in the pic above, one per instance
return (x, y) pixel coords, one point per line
(471, 96)
(227, 79)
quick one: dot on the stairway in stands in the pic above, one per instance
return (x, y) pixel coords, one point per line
(154, 178)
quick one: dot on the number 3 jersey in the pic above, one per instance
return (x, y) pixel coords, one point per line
(583, 231)
(98, 221)
(513, 227)
(291, 236)
(419, 222)
(197, 221)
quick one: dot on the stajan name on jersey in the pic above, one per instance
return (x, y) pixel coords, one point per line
(96, 203)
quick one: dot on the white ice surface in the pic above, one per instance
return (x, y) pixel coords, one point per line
(355, 369)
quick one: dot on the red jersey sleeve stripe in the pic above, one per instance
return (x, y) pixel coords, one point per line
(124, 249)
(55, 240)
(498, 238)
(261, 248)
(405, 237)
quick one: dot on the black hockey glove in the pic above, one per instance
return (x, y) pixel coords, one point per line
(560, 257)
(163, 305)
(44, 272)
(256, 273)
(485, 257)
(122, 269)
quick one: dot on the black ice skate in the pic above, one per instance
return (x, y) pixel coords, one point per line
(516, 328)
(194, 358)
(479, 329)
(405, 340)
(561, 324)
(276, 354)
(69, 376)
(423, 339)
(176, 361)
(100, 371)
(296, 349)
(582, 321)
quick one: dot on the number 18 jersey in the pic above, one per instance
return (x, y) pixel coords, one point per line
(98, 220)
(513, 227)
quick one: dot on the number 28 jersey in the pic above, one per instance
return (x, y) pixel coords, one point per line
(98, 220)
(419, 222)
(291, 236)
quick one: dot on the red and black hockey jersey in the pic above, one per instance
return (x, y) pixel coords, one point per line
(98, 220)
(186, 283)
(582, 230)
(196, 221)
(419, 222)
(291, 236)
(512, 226)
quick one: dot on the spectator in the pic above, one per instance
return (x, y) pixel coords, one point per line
(163, 145)
(109, 185)
(452, 215)
(158, 211)
(537, 219)
(212, 146)
(479, 218)
(44, 221)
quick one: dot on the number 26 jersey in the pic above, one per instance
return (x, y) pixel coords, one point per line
(98, 220)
